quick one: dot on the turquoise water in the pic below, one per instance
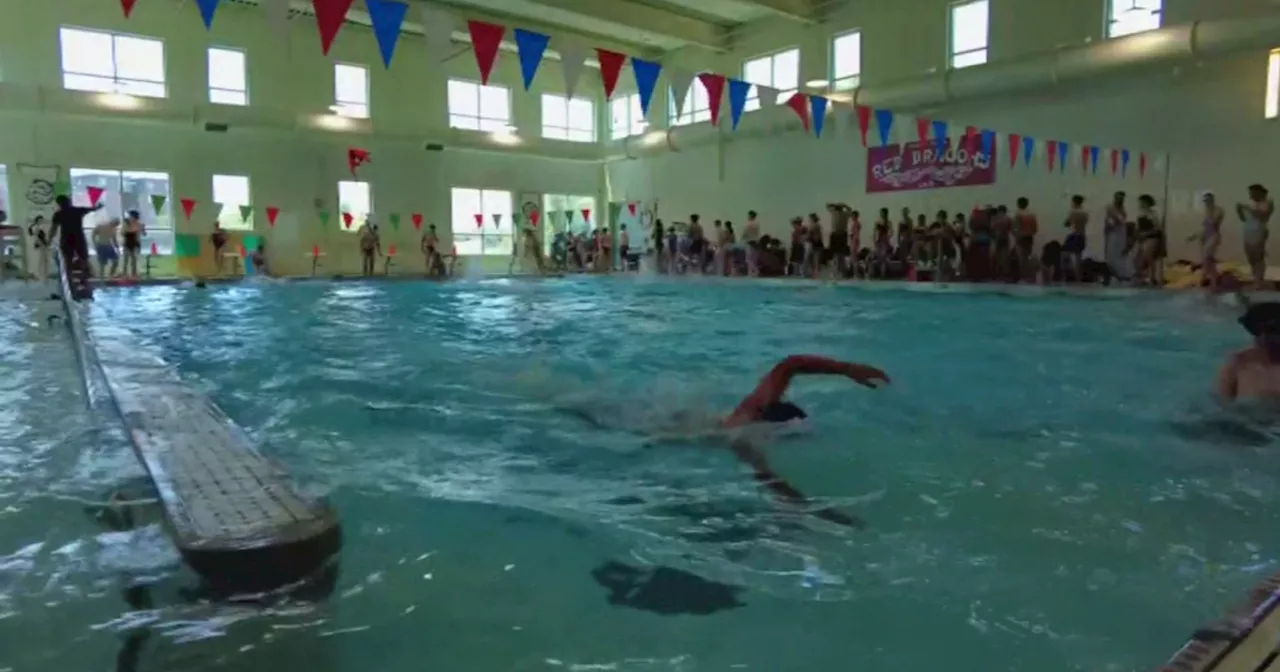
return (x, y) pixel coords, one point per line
(1029, 503)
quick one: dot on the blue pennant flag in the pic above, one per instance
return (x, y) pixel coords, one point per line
(738, 91)
(1063, 147)
(1093, 158)
(988, 143)
(1028, 149)
(1124, 161)
(531, 46)
(646, 73)
(818, 108)
(386, 17)
(207, 8)
(940, 137)
(884, 121)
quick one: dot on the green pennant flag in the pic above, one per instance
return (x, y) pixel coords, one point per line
(568, 216)
(246, 211)
(615, 212)
(517, 220)
(186, 245)
(554, 216)
(157, 203)
(395, 221)
(219, 207)
(324, 217)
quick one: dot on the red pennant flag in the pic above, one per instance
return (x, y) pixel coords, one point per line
(1115, 161)
(970, 138)
(242, 253)
(486, 39)
(1015, 144)
(1052, 147)
(479, 221)
(347, 219)
(1084, 159)
(357, 157)
(631, 208)
(272, 213)
(611, 63)
(127, 5)
(586, 215)
(864, 121)
(799, 103)
(95, 195)
(330, 15)
(1142, 164)
(533, 218)
(391, 250)
(922, 130)
(188, 205)
(315, 251)
(154, 251)
(417, 220)
(714, 84)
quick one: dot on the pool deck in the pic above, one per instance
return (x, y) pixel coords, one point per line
(1246, 640)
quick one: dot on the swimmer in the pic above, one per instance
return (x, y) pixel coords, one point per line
(1254, 373)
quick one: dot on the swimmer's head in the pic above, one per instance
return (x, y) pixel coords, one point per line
(1262, 321)
(782, 411)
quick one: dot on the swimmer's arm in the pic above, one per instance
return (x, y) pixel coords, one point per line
(1228, 383)
(781, 489)
(775, 383)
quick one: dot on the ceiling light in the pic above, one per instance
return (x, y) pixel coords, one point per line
(816, 83)
(118, 101)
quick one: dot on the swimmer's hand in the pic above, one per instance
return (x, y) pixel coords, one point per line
(834, 516)
(868, 376)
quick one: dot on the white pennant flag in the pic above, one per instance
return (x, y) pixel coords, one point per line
(278, 17)
(437, 26)
(497, 220)
(573, 58)
(768, 97)
(681, 83)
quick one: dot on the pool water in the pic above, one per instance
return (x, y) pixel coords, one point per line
(1032, 502)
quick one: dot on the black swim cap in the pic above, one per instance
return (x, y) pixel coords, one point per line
(782, 411)
(1262, 319)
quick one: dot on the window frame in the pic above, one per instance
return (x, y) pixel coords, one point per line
(635, 122)
(480, 116)
(359, 218)
(847, 82)
(118, 83)
(958, 60)
(244, 75)
(693, 114)
(352, 108)
(569, 132)
(462, 226)
(230, 220)
(1110, 20)
(753, 97)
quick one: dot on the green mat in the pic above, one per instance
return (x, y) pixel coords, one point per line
(186, 246)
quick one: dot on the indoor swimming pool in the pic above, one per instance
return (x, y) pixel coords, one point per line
(1042, 485)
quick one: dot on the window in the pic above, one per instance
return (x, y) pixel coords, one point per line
(568, 119)
(354, 198)
(780, 71)
(846, 61)
(697, 106)
(626, 117)
(1271, 106)
(560, 204)
(479, 107)
(969, 33)
(489, 238)
(351, 90)
(231, 192)
(93, 60)
(124, 191)
(228, 84)
(1129, 17)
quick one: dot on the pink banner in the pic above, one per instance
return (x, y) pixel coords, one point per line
(916, 166)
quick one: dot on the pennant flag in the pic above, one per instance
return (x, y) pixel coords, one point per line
(127, 5)
(1084, 159)
(157, 203)
(884, 122)
(768, 97)
(940, 137)
(988, 143)
(272, 213)
(1093, 159)
(395, 221)
(800, 106)
(568, 217)
(207, 8)
(242, 252)
(188, 206)
(586, 215)
(417, 220)
(922, 131)
(1115, 161)
(95, 195)
(681, 83)
(278, 17)
(1028, 149)
(391, 250)
(437, 26)
(315, 251)
(219, 207)
(1063, 157)
(611, 63)
(646, 73)
(1142, 164)
(387, 17)
(864, 121)
(530, 46)
(533, 219)
(347, 218)
(486, 39)
(154, 250)
(330, 15)
(1124, 162)
(714, 84)
(818, 105)
(1051, 149)
(357, 157)
(324, 217)
(738, 91)
(555, 218)
(497, 220)
(1015, 144)
(631, 207)
(573, 58)
(479, 220)
(246, 211)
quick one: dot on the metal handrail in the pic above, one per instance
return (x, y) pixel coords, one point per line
(79, 338)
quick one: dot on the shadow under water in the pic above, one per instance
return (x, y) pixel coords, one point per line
(664, 590)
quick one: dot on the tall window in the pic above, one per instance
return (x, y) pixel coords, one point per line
(571, 119)
(780, 71)
(970, 29)
(563, 212)
(625, 117)
(697, 106)
(228, 84)
(1128, 17)
(354, 198)
(488, 237)
(94, 60)
(1271, 107)
(479, 107)
(124, 191)
(231, 192)
(846, 61)
(351, 90)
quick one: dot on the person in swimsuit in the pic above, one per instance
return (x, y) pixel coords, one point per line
(883, 242)
(219, 241)
(133, 232)
(1254, 373)
(838, 239)
(107, 247)
(370, 247)
(430, 255)
(68, 230)
(795, 259)
(1210, 237)
(624, 247)
(1149, 237)
(1256, 214)
(1116, 238)
(814, 249)
(1073, 247)
(259, 259)
(673, 250)
(1027, 225)
(40, 239)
